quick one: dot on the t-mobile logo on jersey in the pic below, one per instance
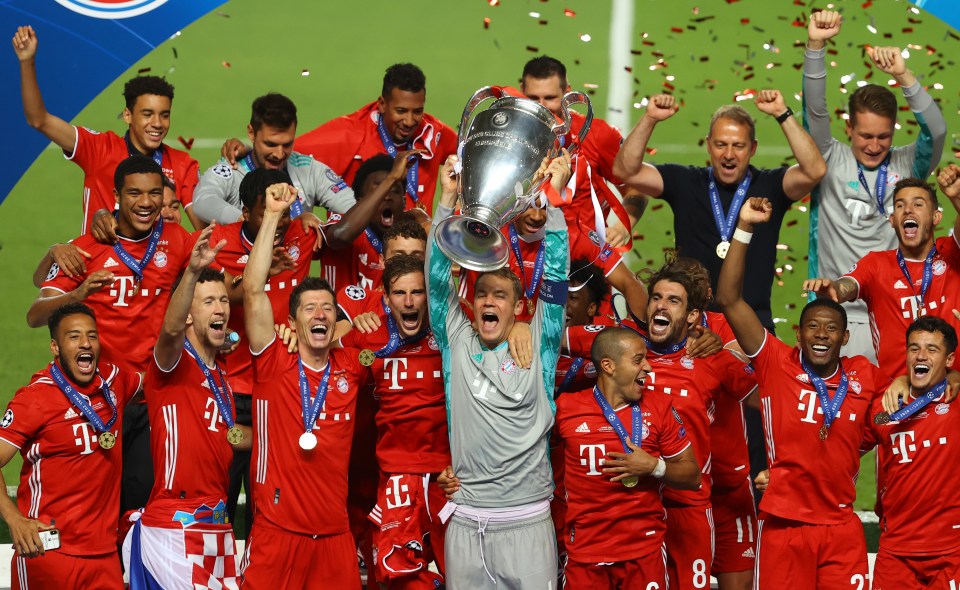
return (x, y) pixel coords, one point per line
(905, 445)
(212, 413)
(394, 491)
(125, 289)
(860, 210)
(392, 371)
(591, 457)
(86, 437)
(809, 406)
(912, 310)
(652, 381)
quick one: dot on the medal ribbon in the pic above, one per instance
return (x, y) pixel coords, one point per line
(570, 375)
(310, 412)
(138, 266)
(881, 188)
(530, 291)
(927, 275)
(81, 404)
(617, 425)
(157, 154)
(673, 348)
(919, 403)
(296, 207)
(725, 227)
(396, 341)
(829, 406)
(391, 148)
(224, 403)
(374, 240)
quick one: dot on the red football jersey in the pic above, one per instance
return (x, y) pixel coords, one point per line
(920, 513)
(717, 323)
(592, 166)
(597, 508)
(302, 491)
(347, 141)
(892, 303)
(188, 435)
(129, 319)
(353, 301)
(98, 154)
(361, 264)
(412, 420)
(584, 377)
(728, 432)
(811, 480)
(60, 450)
(233, 259)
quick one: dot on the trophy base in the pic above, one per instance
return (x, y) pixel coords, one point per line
(472, 243)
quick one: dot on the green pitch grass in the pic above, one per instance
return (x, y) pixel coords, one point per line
(329, 58)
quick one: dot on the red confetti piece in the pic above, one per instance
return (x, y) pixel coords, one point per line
(636, 52)
(186, 143)
(668, 86)
(143, 70)
(648, 43)
(744, 21)
(629, 69)
(533, 49)
(542, 21)
(568, 12)
(225, 64)
(676, 29)
(486, 22)
(651, 151)
(867, 4)
(792, 223)
(732, 1)
(657, 207)
(906, 30)
(798, 23)
(493, 2)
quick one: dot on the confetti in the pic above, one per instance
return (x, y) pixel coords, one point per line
(493, 2)
(175, 56)
(143, 71)
(676, 29)
(585, 37)
(533, 49)
(568, 12)
(186, 143)
(486, 22)
(304, 73)
(225, 64)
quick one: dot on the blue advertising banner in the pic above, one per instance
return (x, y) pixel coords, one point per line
(946, 10)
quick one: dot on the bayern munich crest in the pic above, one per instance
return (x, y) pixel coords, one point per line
(432, 343)
(508, 366)
(342, 385)
(160, 259)
(294, 252)
(644, 432)
(686, 362)
(939, 267)
(855, 386)
(111, 9)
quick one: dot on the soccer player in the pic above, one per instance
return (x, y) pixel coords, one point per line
(500, 415)
(147, 114)
(303, 416)
(849, 210)
(815, 408)
(65, 420)
(606, 488)
(917, 278)
(412, 445)
(272, 127)
(182, 538)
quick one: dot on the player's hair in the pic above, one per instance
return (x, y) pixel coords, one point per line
(405, 227)
(167, 182)
(675, 271)
(309, 284)
(138, 164)
(399, 266)
(137, 87)
(543, 67)
(406, 77)
(209, 275)
(933, 324)
(67, 310)
(378, 163)
(872, 98)
(917, 183)
(253, 187)
(506, 274)
(698, 272)
(825, 303)
(737, 114)
(611, 343)
(584, 272)
(273, 110)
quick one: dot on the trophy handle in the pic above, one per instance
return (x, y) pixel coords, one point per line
(475, 100)
(572, 98)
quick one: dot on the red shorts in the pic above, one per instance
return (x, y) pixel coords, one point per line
(811, 556)
(923, 572)
(409, 534)
(279, 559)
(56, 571)
(689, 545)
(735, 528)
(645, 573)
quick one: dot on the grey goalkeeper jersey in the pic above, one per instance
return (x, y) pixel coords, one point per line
(217, 195)
(499, 415)
(845, 222)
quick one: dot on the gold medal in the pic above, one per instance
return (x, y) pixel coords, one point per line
(531, 307)
(630, 481)
(366, 357)
(234, 435)
(823, 432)
(107, 440)
(722, 249)
(136, 288)
(881, 418)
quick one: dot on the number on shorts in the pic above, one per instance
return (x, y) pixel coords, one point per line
(700, 574)
(857, 579)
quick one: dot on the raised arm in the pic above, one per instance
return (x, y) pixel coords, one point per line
(257, 311)
(741, 317)
(442, 296)
(50, 299)
(629, 165)
(841, 290)
(810, 168)
(949, 181)
(822, 26)
(59, 131)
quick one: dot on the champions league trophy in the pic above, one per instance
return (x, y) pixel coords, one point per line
(500, 154)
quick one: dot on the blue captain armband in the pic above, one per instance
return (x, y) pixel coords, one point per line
(554, 292)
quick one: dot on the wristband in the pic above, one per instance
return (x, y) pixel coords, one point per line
(742, 236)
(786, 115)
(661, 469)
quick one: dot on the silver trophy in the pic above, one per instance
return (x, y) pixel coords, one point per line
(501, 151)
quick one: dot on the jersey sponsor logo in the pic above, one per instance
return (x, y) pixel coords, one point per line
(356, 293)
(111, 9)
(508, 366)
(939, 267)
(294, 252)
(593, 328)
(590, 369)
(7, 419)
(71, 413)
(661, 361)
(803, 378)
(160, 259)
(223, 170)
(748, 553)
(432, 343)
(110, 263)
(53, 272)
(583, 428)
(942, 409)
(591, 457)
(900, 285)
(686, 362)
(342, 385)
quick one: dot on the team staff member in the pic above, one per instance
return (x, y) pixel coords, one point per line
(147, 114)
(848, 214)
(66, 421)
(304, 405)
(815, 408)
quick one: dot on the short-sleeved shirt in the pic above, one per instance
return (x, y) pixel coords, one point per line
(412, 419)
(685, 189)
(917, 458)
(892, 302)
(98, 154)
(188, 433)
(812, 480)
(347, 141)
(66, 476)
(298, 490)
(359, 264)
(233, 258)
(129, 319)
(607, 521)
(353, 301)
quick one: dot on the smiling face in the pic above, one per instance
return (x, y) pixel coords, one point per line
(407, 297)
(391, 206)
(209, 314)
(76, 346)
(927, 360)
(914, 218)
(402, 112)
(629, 372)
(730, 149)
(667, 313)
(272, 146)
(171, 211)
(496, 305)
(820, 336)
(315, 320)
(149, 121)
(530, 221)
(871, 136)
(140, 200)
